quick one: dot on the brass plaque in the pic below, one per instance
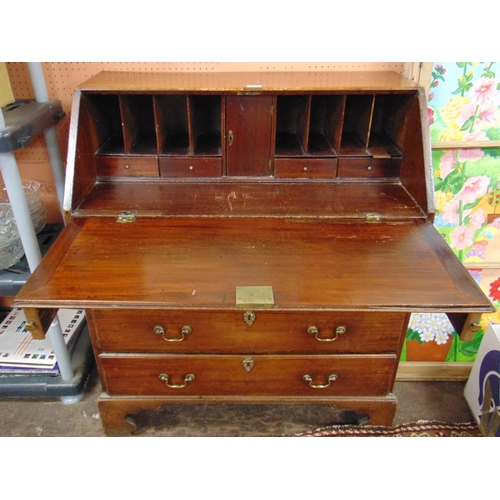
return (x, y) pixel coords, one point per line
(254, 297)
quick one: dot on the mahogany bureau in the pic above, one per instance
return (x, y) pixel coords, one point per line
(248, 238)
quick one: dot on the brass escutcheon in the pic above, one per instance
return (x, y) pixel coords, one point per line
(340, 330)
(249, 317)
(248, 364)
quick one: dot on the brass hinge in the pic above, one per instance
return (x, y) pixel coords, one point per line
(124, 217)
(372, 218)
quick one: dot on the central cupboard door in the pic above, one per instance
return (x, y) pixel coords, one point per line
(249, 131)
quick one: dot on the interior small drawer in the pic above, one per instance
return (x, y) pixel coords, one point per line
(369, 167)
(308, 168)
(175, 331)
(127, 166)
(183, 375)
(190, 167)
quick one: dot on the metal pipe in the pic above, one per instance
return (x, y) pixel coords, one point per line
(17, 198)
(41, 95)
(20, 209)
(38, 81)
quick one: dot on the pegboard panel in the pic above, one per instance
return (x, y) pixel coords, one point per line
(62, 77)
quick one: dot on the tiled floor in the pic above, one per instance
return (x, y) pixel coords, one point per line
(442, 401)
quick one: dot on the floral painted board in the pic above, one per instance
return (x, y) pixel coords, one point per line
(463, 106)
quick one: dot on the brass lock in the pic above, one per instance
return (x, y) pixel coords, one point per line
(249, 317)
(230, 138)
(248, 364)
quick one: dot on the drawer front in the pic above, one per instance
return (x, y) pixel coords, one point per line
(369, 167)
(185, 375)
(307, 168)
(190, 167)
(127, 166)
(228, 332)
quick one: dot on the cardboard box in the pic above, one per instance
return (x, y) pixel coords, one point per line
(6, 94)
(482, 390)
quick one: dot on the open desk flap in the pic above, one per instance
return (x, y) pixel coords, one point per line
(198, 263)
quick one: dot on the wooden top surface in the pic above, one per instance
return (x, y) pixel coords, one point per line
(244, 199)
(198, 263)
(116, 81)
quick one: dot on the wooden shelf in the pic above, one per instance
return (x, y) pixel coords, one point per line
(273, 198)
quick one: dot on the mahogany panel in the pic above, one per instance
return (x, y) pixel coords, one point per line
(138, 122)
(310, 263)
(274, 198)
(223, 331)
(249, 130)
(368, 375)
(416, 168)
(127, 166)
(190, 167)
(251, 82)
(369, 167)
(306, 168)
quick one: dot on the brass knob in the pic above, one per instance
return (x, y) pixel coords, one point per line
(30, 326)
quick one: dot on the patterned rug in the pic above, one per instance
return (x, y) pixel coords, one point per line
(422, 428)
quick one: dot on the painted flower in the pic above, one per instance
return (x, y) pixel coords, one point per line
(431, 326)
(452, 109)
(477, 220)
(427, 336)
(447, 164)
(495, 290)
(476, 253)
(488, 113)
(450, 212)
(472, 155)
(486, 319)
(430, 115)
(461, 237)
(441, 199)
(477, 276)
(441, 338)
(481, 113)
(474, 188)
(480, 135)
(483, 90)
(416, 322)
(452, 134)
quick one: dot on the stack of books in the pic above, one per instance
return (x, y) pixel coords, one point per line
(20, 354)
